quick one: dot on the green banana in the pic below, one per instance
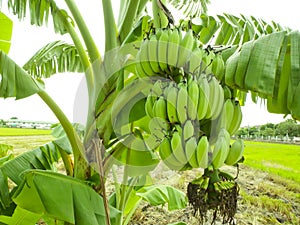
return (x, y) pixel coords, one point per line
(185, 48)
(212, 98)
(151, 99)
(237, 118)
(158, 127)
(202, 151)
(195, 62)
(181, 104)
(166, 154)
(188, 130)
(138, 67)
(173, 47)
(227, 92)
(226, 116)
(162, 50)
(160, 19)
(152, 54)
(221, 149)
(160, 108)
(190, 152)
(177, 148)
(224, 133)
(144, 60)
(217, 99)
(193, 99)
(235, 152)
(203, 104)
(218, 67)
(171, 97)
(157, 88)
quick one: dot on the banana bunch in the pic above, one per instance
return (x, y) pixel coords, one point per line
(183, 149)
(165, 52)
(189, 100)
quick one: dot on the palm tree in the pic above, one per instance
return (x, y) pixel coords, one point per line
(261, 59)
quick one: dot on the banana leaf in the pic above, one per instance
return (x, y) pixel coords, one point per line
(60, 197)
(6, 26)
(15, 81)
(161, 194)
(39, 11)
(40, 158)
(55, 57)
(230, 30)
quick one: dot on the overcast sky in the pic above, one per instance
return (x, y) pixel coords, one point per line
(63, 88)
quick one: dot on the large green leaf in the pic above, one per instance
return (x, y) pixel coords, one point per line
(20, 217)
(231, 30)
(269, 67)
(6, 26)
(55, 57)
(39, 11)
(40, 158)
(61, 197)
(254, 66)
(15, 81)
(162, 194)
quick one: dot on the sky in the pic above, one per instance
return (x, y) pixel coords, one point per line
(66, 89)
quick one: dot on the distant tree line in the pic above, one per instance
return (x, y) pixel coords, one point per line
(286, 130)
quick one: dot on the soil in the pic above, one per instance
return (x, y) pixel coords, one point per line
(264, 199)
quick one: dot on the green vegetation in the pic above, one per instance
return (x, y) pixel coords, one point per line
(280, 159)
(22, 132)
(288, 128)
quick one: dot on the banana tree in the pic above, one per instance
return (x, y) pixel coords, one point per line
(133, 122)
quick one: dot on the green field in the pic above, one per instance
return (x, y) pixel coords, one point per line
(22, 132)
(279, 159)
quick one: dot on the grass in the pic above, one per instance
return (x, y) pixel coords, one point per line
(279, 159)
(279, 211)
(24, 143)
(22, 132)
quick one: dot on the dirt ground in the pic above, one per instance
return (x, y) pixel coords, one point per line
(264, 199)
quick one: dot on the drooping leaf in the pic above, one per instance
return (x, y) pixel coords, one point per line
(15, 81)
(63, 198)
(20, 217)
(40, 158)
(39, 11)
(254, 66)
(192, 8)
(162, 194)
(229, 30)
(55, 57)
(6, 26)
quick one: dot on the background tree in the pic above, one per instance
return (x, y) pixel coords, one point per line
(267, 132)
(287, 128)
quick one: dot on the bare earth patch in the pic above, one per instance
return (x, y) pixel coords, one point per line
(264, 199)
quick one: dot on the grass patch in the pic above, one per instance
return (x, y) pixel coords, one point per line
(22, 132)
(279, 159)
